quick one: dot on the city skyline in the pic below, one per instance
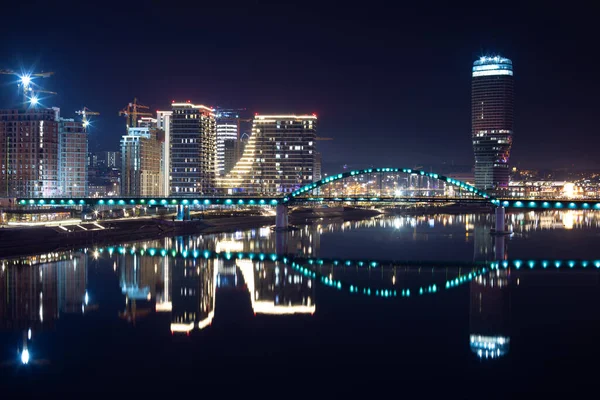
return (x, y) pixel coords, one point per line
(412, 101)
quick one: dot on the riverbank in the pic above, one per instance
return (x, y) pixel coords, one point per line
(22, 241)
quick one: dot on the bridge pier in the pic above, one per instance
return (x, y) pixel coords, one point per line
(183, 213)
(500, 226)
(281, 217)
(281, 242)
(499, 248)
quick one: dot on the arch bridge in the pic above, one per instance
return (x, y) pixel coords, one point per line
(367, 186)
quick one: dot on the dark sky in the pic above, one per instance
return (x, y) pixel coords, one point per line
(390, 84)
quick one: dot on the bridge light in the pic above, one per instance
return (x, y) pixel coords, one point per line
(557, 264)
(584, 264)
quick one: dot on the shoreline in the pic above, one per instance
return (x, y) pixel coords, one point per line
(19, 242)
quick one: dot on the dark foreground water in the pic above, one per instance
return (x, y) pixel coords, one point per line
(159, 318)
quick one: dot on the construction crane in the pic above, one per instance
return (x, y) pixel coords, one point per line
(324, 138)
(84, 116)
(131, 113)
(25, 84)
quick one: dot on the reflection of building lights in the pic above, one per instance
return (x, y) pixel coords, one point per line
(25, 356)
(489, 346)
(29, 334)
(568, 220)
(228, 246)
(182, 327)
(268, 307)
(164, 307)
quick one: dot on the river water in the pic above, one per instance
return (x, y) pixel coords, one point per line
(406, 304)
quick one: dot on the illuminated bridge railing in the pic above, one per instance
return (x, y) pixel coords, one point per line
(548, 204)
(332, 180)
(152, 202)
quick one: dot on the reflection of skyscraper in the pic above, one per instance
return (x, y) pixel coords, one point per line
(193, 296)
(72, 280)
(33, 293)
(492, 121)
(490, 314)
(276, 289)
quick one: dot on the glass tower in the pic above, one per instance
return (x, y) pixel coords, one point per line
(492, 121)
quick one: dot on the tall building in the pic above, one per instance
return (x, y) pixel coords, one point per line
(193, 150)
(141, 160)
(318, 167)
(163, 122)
(492, 121)
(29, 143)
(279, 157)
(72, 154)
(228, 128)
(231, 153)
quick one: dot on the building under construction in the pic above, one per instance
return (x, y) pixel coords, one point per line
(29, 153)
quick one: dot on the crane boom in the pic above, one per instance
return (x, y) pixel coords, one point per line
(25, 83)
(84, 116)
(131, 112)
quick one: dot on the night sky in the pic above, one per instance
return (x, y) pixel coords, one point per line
(391, 85)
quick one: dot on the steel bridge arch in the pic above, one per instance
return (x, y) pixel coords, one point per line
(330, 179)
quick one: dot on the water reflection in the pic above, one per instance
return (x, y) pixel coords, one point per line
(489, 315)
(186, 288)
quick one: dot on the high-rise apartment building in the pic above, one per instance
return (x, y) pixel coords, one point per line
(141, 161)
(29, 142)
(228, 128)
(278, 158)
(231, 153)
(72, 158)
(163, 122)
(193, 150)
(492, 121)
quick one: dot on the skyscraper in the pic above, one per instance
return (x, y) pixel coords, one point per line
(228, 128)
(72, 155)
(163, 122)
(278, 158)
(29, 153)
(141, 160)
(492, 121)
(193, 149)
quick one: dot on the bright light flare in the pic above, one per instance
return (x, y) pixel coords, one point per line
(25, 80)
(25, 356)
(34, 100)
(86, 124)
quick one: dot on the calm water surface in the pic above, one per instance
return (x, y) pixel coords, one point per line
(157, 317)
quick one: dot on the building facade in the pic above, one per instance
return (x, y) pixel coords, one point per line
(163, 122)
(141, 161)
(492, 121)
(228, 129)
(279, 157)
(73, 151)
(29, 144)
(193, 150)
